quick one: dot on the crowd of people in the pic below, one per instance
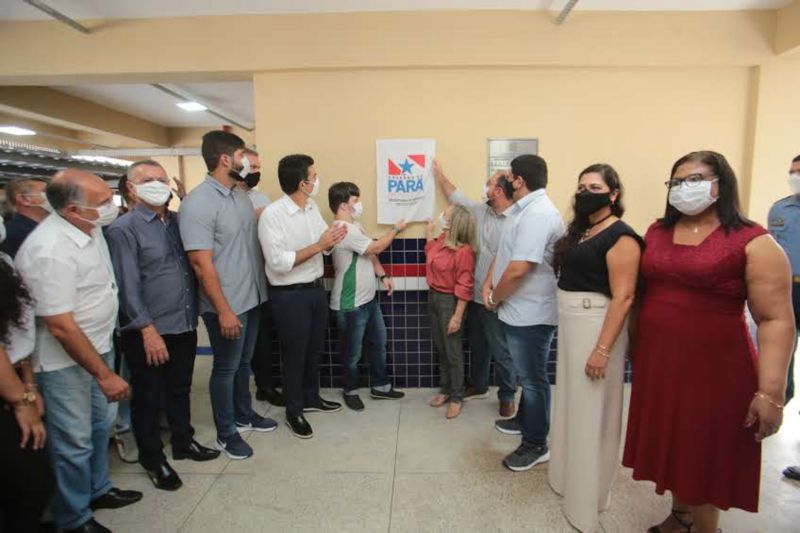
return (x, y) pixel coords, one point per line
(89, 296)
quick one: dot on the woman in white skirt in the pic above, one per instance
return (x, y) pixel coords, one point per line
(598, 266)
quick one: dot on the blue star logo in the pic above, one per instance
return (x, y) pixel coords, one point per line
(406, 166)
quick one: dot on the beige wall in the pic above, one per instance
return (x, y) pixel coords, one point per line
(170, 49)
(777, 134)
(638, 119)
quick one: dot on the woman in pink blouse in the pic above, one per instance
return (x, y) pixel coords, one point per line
(450, 260)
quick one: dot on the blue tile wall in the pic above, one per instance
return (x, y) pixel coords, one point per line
(410, 356)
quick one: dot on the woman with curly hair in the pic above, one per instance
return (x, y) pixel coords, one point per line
(22, 433)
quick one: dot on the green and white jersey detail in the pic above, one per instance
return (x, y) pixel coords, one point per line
(354, 284)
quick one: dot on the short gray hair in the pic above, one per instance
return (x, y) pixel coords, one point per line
(61, 193)
(143, 163)
(250, 151)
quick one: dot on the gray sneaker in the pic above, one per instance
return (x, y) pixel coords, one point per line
(128, 451)
(526, 457)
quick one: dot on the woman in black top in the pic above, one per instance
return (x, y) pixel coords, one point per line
(597, 262)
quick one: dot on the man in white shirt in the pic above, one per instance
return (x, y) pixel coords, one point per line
(354, 296)
(263, 361)
(522, 287)
(293, 236)
(66, 265)
(487, 339)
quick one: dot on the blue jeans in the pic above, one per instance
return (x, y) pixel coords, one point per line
(487, 340)
(354, 325)
(78, 422)
(229, 385)
(123, 421)
(530, 347)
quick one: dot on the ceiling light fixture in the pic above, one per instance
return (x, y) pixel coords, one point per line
(16, 130)
(103, 159)
(191, 106)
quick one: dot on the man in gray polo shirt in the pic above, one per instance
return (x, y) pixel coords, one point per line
(523, 290)
(487, 338)
(218, 229)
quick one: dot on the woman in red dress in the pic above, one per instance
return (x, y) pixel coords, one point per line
(701, 402)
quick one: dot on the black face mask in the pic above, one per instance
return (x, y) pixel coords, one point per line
(587, 202)
(252, 179)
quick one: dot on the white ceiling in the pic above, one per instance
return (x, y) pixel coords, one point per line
(233, 99)
(120, 9)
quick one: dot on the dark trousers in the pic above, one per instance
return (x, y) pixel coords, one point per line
(262, 361)
(27, 479)
(487, 339)
(173, 380)
(796, 306)
(451, 358)
(301, 316)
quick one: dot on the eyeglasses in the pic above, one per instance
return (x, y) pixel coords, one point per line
(692, 180)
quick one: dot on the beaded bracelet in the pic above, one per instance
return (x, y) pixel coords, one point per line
(769, 400)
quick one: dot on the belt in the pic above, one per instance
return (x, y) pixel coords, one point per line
(796, 279)
(316, 284)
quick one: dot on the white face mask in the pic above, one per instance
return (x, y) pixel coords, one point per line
(45, 202)
(2, 231)
(692, 200)
(443, 222)
(246, 167)
(107, 213)
(486, 190)
(155, 193)
(358, 210)
(315, 190)
(794, 182)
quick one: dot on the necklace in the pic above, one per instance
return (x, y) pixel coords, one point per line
(590, 228)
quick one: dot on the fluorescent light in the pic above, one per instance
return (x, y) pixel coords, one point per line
(191, 106)
(103, 159)
(16, 130)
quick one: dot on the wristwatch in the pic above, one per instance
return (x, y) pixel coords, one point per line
(28, 398)
(383, 277)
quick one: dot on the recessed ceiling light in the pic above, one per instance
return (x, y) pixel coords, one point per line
(191, 106)
(16, 130)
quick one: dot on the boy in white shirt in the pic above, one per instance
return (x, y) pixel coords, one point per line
(354, 299)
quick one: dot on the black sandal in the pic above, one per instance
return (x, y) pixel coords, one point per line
(675, 513)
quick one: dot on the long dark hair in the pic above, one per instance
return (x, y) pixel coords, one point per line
(14, 296)
(727, 205)
(580, 223)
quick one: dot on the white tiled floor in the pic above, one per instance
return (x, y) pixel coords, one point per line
(401, 466)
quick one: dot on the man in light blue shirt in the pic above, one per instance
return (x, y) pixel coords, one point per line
(784, 225)
(523, 289)
(487, 338)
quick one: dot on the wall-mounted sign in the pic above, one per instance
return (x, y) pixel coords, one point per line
(406, 189)
(502, 151)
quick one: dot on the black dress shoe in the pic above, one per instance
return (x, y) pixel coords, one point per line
(195, 452)
(273, 396)
(89, 527)
(116, 498)
(300, 427)
(164, 477)
(323, 406)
